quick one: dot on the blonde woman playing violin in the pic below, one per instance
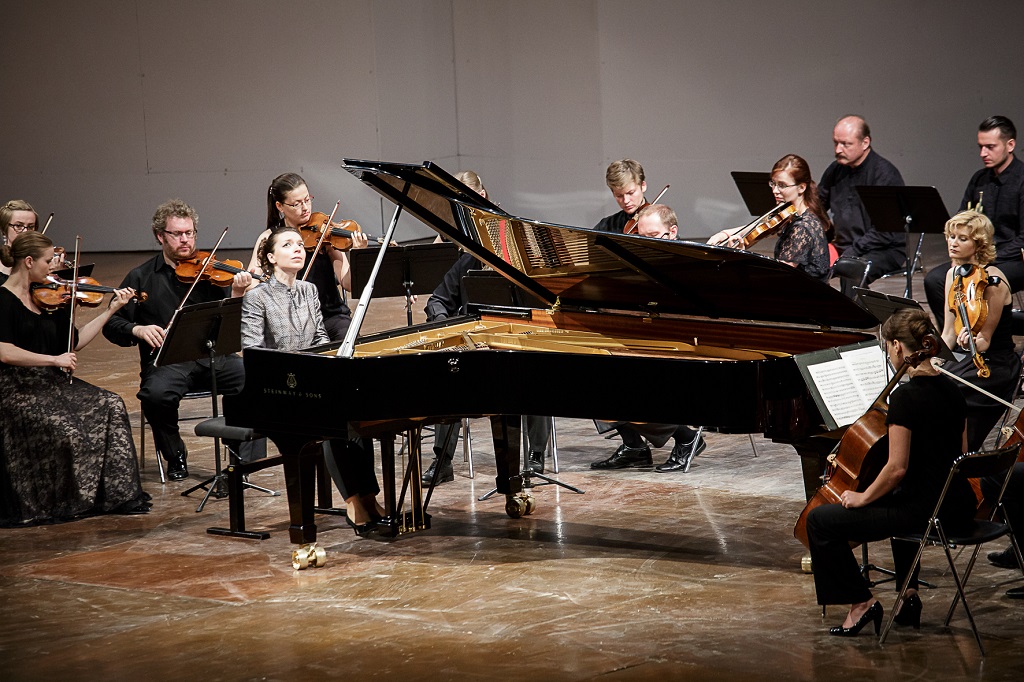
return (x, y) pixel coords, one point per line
(969, 238)
(802, 241)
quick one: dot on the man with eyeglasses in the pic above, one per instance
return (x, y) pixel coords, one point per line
(145, 324)
(856, 163)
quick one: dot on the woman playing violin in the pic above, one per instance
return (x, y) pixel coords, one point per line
(925, 424)
(65, 446)
(289, 204)
(284, 313)
(17, 216)
(802, 241)
(969, 238)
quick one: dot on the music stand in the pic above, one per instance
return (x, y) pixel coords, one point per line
(406, 270)
(905, 209)
(754, 189)
(882, 306)
(68, 273)
(205, 330)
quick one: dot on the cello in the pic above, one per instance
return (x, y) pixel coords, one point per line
(864, 448)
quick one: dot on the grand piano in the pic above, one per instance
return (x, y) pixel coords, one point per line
(633, 329)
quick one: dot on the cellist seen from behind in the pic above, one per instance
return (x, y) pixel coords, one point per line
(987, 303)
(926, 432)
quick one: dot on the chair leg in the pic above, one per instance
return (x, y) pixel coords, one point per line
(959, 586)
(142, 449)
(467, 446)
(554, 447)
(752, 445)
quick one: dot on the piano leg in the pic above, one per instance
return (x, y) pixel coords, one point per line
(300, 482)
(506, 433)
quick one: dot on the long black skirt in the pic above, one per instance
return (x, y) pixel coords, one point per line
(66, 448)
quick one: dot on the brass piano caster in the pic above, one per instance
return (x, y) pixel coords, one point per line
(309, 555)
(805, 564)
(517, 506)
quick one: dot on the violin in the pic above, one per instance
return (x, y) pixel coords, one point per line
(219, 272)
(56, 293)
(340, 235)
(864, 448)
(631, 225)
(766, 225)
(967, 301)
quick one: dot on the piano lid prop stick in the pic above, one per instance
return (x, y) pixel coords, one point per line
(348, 346)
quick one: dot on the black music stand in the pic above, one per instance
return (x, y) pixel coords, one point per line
(754, 189)
(406, 270)
(908, 210)
(205, 330)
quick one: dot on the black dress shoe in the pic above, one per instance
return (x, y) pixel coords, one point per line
(874, 613)
(447, 474)
(537, 462)
(1015, 593)
(682, 455)
(626, 457)
(177, 469)
(1004, 559)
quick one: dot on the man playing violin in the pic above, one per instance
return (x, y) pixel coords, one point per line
(997, 190)
(627, 183)
(174, 227)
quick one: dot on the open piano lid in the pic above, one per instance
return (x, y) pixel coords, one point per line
(590, 270)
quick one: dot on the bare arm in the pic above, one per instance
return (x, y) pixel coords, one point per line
(890, 475)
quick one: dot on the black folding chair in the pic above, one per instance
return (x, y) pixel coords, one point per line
(973, 465)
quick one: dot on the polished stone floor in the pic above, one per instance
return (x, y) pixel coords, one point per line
(645, 576)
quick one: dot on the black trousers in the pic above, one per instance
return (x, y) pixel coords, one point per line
(831, 528)
(163, 388)
(935, 283)
(633, 435)
(538, 432)
(336, 326)
(350, 463)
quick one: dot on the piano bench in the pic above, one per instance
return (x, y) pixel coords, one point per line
(237, 472)
(217, 428)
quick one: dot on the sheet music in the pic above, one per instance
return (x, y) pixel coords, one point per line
(849, 384)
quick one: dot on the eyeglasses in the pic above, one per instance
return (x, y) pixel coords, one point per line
(21, 227)
(779, 185)
(301, 202)
(181, 236)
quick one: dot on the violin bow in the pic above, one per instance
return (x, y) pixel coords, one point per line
(320, 242)
(46, 225)
(74, 296)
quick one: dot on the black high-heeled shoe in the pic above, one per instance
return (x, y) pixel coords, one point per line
(874, 613)
(362, 529)
(910, 612)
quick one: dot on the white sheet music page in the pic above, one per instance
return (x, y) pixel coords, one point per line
(850, 384)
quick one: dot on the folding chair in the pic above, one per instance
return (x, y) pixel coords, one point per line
(852, 272)
(973, 465)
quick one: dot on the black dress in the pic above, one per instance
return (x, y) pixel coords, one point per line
(65, 447)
